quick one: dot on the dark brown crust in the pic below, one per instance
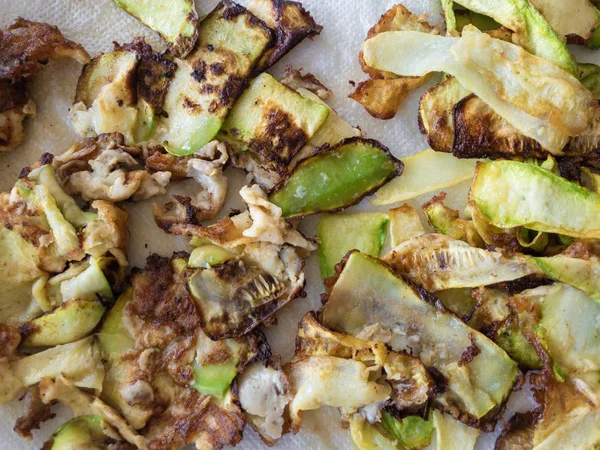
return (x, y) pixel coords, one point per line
(326, 148)
(9, 341)
(154, 75)
(441, 135)
(293, 24)
(12, 95)
(36, 412)
(470, 353)
(26, 46)
(477, 133)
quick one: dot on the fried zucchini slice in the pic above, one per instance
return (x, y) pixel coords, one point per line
(78, 361)
(532, 31)
(565, 418)
(212, 77)
(273, 121)
(176, 21)
(328, 181)
(438, 262)
(424, 172)
(291, 24)
(436, 113)
(573, 19)
(71, 321)
(405, 224)
(83, 432)
(84, 404)
(106, 96)
(382, 95)
(510, 194)
(368, 299)
(488, 78)
(340, 233)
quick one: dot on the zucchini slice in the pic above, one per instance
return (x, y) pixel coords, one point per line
(367, 298)
(291, 24)
(175, 20)
(336, 178)
(438, 262)
(424, 172)
(69, 322)
(340, 233)
(436, 113)
(273, 121)
(532, 31)
(510, 194)
(405, 224)
(211, 78)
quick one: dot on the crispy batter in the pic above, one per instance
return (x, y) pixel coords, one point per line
(9, 341)
(382, 97)
(295, 79)
(12, 131)
(161, 301)
(291, 24)
(191, 418)
(36, 413)
(26, 46)
(103, 168)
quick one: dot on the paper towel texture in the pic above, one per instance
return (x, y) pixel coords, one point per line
(332, 57)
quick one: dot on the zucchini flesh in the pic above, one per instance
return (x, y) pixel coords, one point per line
(510, 194)
(425, 172)
(340, 233)
(174, 20)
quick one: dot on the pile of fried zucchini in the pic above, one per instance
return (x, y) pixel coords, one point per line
(431, 317)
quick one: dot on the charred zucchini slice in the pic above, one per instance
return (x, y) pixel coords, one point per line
(175, 20)
(212, 77)
(291, 24)
(273, 121)
(368, 298)
(336, 178)
(510, 194)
